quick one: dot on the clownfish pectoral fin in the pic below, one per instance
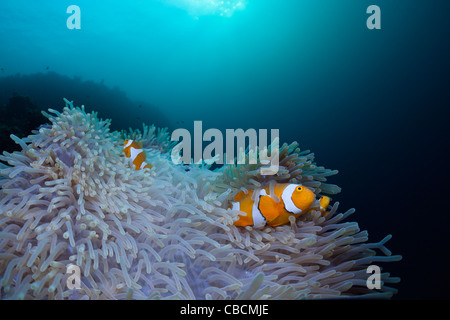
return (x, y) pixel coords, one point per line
(324, 203)
(269, 208)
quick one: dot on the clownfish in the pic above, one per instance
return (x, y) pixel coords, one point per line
(324, 203)
(133, 151)
(295, 200)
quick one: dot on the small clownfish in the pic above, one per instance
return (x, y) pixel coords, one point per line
(133, 151)
(295, 200)
(324, 203)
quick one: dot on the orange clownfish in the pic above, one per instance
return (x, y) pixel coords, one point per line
(133, 151)
(295, 200)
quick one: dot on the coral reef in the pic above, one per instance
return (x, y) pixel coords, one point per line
(69, 197)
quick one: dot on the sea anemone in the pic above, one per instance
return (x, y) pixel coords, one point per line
(70, 198)
(151, 137)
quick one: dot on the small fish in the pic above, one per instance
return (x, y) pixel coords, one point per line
(324, 203)
(133, 151)
(295, 200)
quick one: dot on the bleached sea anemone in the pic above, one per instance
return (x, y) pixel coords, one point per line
(70, 198)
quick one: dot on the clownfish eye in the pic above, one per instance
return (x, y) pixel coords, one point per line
(299, 188)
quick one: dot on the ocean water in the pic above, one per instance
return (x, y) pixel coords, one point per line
(373, 104)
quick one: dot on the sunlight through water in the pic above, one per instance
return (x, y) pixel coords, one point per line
(225, 8)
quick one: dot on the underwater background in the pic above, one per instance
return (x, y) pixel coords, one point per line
(372, 104)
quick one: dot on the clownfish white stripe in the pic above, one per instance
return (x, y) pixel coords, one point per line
(286, 196)
(143, 164)
(134, 152)
(258, 217)
(128, 143)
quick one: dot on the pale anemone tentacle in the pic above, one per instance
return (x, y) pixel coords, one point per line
(69, 197)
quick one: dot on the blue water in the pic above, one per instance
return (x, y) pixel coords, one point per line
(371, 103)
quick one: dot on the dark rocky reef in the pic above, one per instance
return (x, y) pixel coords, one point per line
(22, 97)
(19, 116)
